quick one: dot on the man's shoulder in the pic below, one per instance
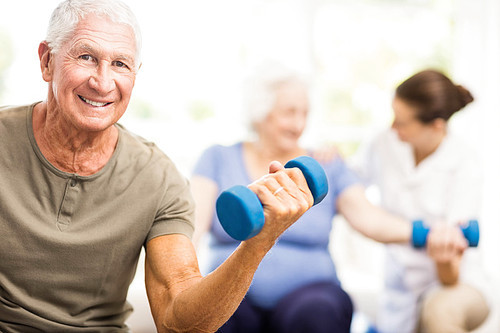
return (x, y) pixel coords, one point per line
(139, 152)
(13, 120)
(9, 111)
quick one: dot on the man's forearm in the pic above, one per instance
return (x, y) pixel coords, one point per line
(184, 301)
(209, 303)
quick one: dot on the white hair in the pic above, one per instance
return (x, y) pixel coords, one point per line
(259, 91)
(69, 13)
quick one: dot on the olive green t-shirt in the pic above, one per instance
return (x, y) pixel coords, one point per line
(69, 245)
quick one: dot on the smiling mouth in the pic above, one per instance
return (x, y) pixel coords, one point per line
(93, 103)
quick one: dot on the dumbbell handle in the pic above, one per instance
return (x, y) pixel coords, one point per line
(240, 211)
(420, 232)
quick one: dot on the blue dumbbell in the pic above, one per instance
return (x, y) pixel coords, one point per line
(240, 211)
(420, 232)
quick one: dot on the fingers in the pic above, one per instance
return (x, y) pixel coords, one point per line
(445, 243)
(290, 179)
(275, 166)
(284, 195)
(284, 185)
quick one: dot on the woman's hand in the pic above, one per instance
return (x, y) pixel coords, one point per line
(446, 245)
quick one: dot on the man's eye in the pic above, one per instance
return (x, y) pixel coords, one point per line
(120, 64)
(86, 57)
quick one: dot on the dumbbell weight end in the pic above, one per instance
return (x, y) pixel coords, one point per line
(240, 212)
(419, 234)
(471, 232)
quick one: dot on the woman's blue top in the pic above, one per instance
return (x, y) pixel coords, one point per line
(301, 256)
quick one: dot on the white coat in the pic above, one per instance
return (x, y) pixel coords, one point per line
(446, 186)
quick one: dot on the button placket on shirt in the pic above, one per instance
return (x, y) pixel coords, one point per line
(68, 203)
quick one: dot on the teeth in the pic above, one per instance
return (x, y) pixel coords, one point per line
(92, 102)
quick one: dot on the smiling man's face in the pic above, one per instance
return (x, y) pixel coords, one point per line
(92, 76)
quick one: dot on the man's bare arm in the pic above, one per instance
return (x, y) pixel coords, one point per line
(181, 299)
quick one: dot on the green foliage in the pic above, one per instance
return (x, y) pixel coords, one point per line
(200, 110)
(141, 109)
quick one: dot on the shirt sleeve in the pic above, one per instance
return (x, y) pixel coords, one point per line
(175, 214)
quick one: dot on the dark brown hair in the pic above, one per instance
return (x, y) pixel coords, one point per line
(433, 95)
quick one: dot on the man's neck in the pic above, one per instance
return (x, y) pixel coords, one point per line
(70, 150)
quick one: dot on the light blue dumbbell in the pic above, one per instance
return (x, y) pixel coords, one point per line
(420, 232)
(240, 211)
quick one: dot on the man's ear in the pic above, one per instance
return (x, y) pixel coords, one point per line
(45, 61)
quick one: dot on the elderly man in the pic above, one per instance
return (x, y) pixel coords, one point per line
(80, 196)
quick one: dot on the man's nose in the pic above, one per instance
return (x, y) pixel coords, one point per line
(102, 79)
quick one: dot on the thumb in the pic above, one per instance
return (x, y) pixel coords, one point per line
(275, 166)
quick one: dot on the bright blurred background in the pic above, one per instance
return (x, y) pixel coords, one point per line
(355, 52)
